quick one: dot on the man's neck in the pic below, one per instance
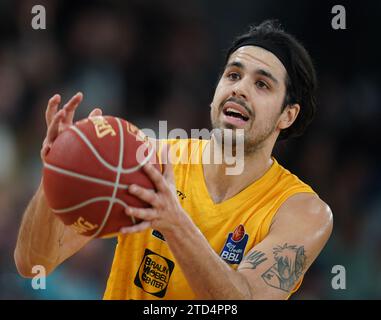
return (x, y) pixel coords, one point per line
(222, 186)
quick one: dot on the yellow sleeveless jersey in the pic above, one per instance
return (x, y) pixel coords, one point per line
(144, 267)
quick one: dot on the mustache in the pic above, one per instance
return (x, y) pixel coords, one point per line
(237, 101)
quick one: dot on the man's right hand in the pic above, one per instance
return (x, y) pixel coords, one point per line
(43, 239)
(59, 120)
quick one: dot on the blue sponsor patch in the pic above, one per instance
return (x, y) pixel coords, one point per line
(234, 247)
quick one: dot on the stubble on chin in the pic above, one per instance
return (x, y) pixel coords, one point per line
(252, 143)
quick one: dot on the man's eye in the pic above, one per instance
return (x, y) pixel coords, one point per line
(261, 85)
(234, 76)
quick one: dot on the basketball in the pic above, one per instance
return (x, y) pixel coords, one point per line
(88, 170)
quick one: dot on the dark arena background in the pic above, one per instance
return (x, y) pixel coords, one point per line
(150, 60)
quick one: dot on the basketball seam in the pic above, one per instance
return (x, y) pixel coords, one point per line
(118, 174)
(89, 201)
(83, 177)
(103, 161)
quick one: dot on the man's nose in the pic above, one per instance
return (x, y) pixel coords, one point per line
(239, 93)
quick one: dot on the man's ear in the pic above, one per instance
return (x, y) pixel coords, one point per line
(288, 116)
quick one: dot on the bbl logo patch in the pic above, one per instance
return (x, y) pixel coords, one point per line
(235, 245)
(154, 273)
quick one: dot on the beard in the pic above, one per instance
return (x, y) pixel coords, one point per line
(227, 135)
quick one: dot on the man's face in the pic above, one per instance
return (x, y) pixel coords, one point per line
(250, 95)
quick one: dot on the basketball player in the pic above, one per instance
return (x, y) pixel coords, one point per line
(209, 235)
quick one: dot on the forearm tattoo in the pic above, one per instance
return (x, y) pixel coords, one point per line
(289, 266)
(253, 260)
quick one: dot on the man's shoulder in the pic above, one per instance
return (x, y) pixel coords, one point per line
(310, 203)
(305, 208)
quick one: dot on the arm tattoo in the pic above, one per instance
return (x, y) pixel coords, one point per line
(255, 258)
(290, 262)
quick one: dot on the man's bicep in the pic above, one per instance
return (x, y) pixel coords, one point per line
(276, 265)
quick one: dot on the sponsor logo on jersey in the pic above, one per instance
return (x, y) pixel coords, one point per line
(181, 194)
(235, 245)
(157, 234)
(154, 273)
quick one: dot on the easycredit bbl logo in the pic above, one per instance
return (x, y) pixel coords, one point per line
(235, 245)
(154, 273)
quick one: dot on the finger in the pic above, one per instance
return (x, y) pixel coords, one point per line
(146, 214)
(95, 112)
(54, 127)
(44, 151)
(146, 195)
(156, 177)
(51, 109)
(71, 106)
(168, 168)
(136, 228)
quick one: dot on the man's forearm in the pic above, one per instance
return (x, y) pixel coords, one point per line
(207, 274)
(38, 238)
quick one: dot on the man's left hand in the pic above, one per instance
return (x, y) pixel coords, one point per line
(166, 212)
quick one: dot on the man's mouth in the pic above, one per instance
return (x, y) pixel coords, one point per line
(235, 110)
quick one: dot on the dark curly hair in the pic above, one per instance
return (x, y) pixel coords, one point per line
(301, 80)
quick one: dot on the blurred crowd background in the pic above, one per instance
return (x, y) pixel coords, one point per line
(149, 60)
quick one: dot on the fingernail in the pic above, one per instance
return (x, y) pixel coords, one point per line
(132, 188)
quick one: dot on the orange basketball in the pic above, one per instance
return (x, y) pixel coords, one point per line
(88, 170)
